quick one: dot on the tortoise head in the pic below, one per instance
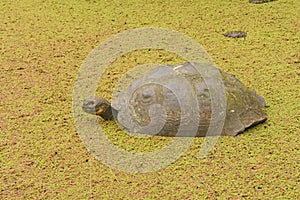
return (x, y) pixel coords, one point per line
(98, 106)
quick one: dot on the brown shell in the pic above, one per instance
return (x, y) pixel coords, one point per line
(243, 108)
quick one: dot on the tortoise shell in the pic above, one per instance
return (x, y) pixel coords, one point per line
(260, 1)
(166, 99)
(235, 34)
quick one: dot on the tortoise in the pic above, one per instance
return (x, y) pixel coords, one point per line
(243, 107)
(260, 1)
(235, 34)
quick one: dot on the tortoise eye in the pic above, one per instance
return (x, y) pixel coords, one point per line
(88, 102)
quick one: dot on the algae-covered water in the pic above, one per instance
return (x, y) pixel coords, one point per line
(44, 43)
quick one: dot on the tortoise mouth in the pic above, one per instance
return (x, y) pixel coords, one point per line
(90, 109)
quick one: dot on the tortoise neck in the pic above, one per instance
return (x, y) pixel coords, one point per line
(109, 113)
